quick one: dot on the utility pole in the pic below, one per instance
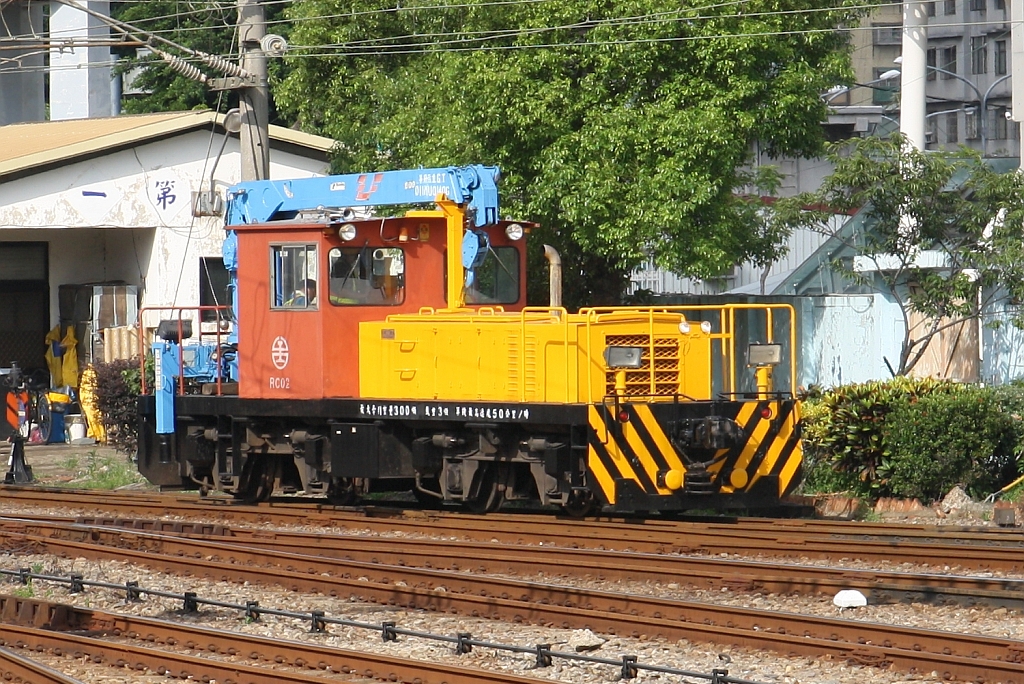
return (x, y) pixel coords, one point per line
(253, 99)
(912, 82)
(1017, 63)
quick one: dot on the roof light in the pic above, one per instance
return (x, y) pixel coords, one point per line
(347, 232)
(514, 231)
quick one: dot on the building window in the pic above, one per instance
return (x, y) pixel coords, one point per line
(213, 287)
(1000, 4)
(366, 276)
(888, 34)
(293, 277)
(971, 124)
(977, 5)
(930, 8)
(948, 62)
(1000, 57)
(950, 7)
(932, 62)
(932, 134)
(979, 55)
(883, 92)
(1001, 129)
(952, 128)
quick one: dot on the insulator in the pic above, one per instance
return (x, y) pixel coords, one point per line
(182, 67)
(221, 64)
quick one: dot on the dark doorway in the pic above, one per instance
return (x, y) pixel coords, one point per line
(24, 303)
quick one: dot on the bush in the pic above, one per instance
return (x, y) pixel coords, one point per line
(843, 433)
(117, 391)
(942, 440)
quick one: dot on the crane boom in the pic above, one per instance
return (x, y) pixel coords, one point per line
(276, 200)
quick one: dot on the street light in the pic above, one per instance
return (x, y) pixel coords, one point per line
(839, 90)
(982, 99)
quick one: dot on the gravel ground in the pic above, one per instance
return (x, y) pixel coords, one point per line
(745, 663)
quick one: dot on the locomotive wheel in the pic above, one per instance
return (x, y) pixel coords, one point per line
(489, 496)
(581, 503)
(258, 476)
(343, 492)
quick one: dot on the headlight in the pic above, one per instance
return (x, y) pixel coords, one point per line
(623, 357)
(705, 327)
(684, 327)
(347, 232)
(514, 231)
(764, 354)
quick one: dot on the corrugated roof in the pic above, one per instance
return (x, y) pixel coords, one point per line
(45, 143)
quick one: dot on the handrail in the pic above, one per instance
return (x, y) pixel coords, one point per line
(181, 359)
(727, 319)
(588, 317)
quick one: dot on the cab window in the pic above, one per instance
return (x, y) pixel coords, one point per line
(367, 276)
(496, 280)
(293, 277)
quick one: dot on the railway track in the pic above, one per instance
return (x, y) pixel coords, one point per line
(192, 652)
(984, 549)
(552, 562)
(952, 655)
(22, 670)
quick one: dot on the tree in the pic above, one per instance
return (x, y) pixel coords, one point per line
(621, 126)
(206, 26)
(942, 232)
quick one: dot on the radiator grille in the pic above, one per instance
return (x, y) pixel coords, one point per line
(639, 382)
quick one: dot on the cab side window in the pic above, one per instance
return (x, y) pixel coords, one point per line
(366, 276)
(293, 277)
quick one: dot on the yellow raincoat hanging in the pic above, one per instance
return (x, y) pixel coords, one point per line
(70, 365)
(62, 357)
(55, 357)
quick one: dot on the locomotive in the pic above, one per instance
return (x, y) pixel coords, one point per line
(379, 340)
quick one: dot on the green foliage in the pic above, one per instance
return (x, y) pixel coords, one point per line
(26, 591)
(1015, 495)
(104, 472)
(205, 26)
(916, 203)
(843, 431)
(118, 385)
(621, 127)
(912, 437)
(942, 440)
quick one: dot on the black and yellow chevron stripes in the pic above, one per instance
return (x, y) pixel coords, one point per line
(639, 449)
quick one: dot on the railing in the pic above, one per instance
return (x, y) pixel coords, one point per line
(218, 335)
(589, 317)
(726, 336)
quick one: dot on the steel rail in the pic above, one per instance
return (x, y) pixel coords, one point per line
(918, 650)
(18, 668)
(714, 573)
(265, 656)
(988, 550)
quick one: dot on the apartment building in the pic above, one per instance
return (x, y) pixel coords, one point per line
(969, 85)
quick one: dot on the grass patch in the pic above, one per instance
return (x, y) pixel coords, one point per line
(1015, 495)
(24, 592)
(102, 472)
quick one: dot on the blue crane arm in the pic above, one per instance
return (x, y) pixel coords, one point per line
(264, 201)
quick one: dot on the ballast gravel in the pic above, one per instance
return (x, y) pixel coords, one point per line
(749, 664)
(762, 666)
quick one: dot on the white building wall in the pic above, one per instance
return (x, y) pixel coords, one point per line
(127, 215)
(80, 77)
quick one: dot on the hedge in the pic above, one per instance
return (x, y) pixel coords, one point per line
(912, 437)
